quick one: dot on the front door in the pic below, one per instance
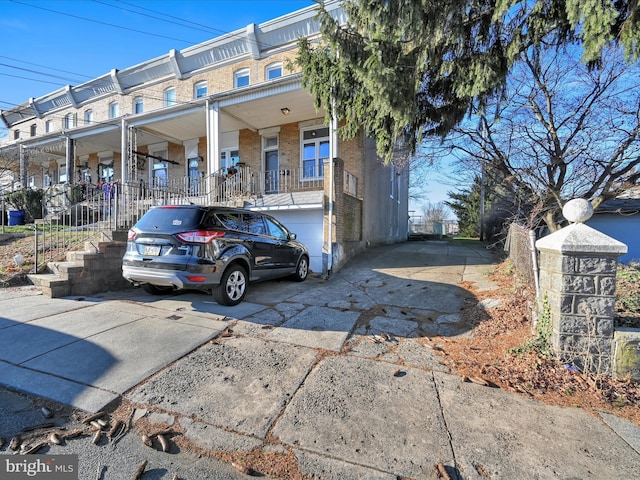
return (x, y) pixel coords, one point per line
(271, 164)
(271, 171)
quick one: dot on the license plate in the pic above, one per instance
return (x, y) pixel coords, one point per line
(152, 250)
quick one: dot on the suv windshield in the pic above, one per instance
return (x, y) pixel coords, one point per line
(172, 218)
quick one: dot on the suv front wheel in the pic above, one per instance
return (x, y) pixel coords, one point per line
(232, 287)
(302, 270)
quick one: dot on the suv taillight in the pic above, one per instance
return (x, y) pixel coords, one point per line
(131, 235)
(200, 236)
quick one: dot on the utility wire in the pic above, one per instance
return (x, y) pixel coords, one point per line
(47, 67)
(190, 42)
(31, 79)
(36, 72)
(172, 20)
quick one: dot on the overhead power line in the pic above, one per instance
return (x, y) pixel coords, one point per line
(135, 30)
(171, 19)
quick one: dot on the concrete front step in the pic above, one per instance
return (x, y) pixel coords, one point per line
(95, 270)
(51, 284)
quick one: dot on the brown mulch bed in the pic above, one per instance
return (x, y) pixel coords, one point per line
(495, 354)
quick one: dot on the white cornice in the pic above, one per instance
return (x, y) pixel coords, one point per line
(254, 41)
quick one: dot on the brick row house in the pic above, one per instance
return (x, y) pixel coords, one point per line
(225, 121)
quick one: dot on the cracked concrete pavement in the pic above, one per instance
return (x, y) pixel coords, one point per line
(339, 373)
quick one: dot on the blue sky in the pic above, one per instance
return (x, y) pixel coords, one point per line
(48, 44)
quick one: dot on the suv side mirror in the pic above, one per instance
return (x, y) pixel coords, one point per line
(292, 236)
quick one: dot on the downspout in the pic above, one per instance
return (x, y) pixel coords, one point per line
(70, 157)
(334, 155)
(23, 167)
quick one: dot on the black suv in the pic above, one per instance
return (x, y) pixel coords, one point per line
(213, 249)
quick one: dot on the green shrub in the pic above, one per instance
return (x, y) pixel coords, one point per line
(29, 201)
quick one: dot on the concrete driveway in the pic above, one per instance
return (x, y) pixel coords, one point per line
(340, 373)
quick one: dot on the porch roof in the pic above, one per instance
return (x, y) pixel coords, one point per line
(254, 107)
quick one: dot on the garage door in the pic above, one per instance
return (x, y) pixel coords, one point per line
(307, 225)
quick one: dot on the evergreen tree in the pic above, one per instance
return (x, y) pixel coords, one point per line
(466, 206)
(404, 69)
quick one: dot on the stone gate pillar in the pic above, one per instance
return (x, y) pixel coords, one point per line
(577, 289)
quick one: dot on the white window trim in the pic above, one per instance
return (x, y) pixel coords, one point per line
(301, 160)
(199, 85)
(136, 101)
(114, 106)
(269, 148)
(273, 66)
(241, 73)
(165, 97)
(69, 121)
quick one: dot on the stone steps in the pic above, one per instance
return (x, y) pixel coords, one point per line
(96, 269)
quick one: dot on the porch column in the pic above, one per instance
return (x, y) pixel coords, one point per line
(70, 158)
(213, 147)
(213, 137)
(124, 157)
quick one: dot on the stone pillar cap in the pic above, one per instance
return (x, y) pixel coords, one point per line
(580, 238)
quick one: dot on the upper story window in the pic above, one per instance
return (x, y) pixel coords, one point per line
(200, 90)
(34, 130)
(273, 71)
(241, 78)
(16, 134)
(113, 110)
(138, 105)
(69, 120)
(315, 149)
(169, 96)
(48, 126)
(88, 117)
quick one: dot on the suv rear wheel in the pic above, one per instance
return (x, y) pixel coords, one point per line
(232, 287)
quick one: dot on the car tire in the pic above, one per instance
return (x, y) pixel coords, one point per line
(157, 289)
(302, 269)
(232, 287)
